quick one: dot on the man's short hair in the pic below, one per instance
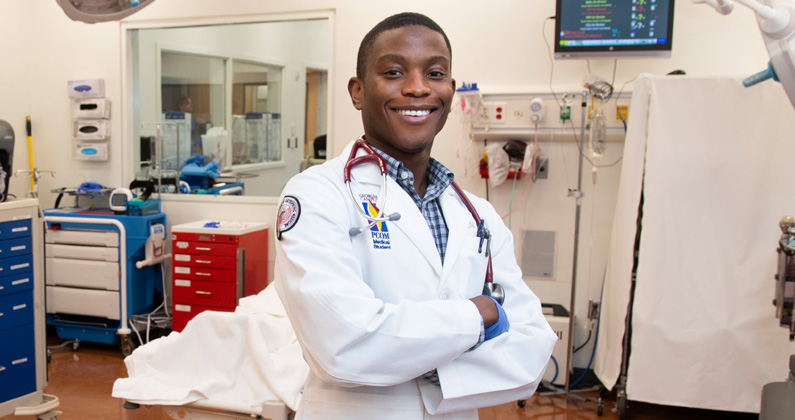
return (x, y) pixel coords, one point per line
(394, 22)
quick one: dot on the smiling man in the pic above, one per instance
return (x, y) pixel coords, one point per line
(381, 260)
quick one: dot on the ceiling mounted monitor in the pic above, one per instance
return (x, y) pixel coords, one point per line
(612, 29)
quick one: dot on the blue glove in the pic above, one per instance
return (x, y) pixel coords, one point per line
(196, 159)
(501, 326)
(209, 170)
(89, 188)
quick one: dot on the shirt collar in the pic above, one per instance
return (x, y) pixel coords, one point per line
(439, 177)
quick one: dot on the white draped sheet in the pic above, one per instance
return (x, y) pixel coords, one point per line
(716, 164)
(248, 357)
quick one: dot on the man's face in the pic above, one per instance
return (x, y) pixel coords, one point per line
(407, 90)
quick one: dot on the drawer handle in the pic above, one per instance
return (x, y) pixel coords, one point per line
(2, 368)
(199, 292)
(199, 248)
(204, 274)
(204, 262)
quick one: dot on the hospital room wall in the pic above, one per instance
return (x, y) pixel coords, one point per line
(499, 45)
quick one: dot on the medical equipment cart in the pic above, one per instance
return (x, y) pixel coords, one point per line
(94, 285)
(23, 347)
(214, 264)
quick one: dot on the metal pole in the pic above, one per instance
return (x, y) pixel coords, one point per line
(578, 197)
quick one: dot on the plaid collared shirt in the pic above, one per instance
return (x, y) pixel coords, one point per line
(439, 178)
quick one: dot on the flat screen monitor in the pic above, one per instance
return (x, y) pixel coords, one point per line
(614, 28)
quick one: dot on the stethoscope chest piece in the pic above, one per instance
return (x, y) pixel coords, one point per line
(495, 291)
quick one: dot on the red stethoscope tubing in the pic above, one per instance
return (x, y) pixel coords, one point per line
(371, 156)
(474, 213)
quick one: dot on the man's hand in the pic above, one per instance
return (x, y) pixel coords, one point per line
(488, 310)
(494, 319)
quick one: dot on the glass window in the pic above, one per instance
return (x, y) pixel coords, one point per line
(192, 92)
(221, 90)
(256, 113)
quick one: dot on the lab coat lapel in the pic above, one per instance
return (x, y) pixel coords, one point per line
(460, 225)
(411, 224)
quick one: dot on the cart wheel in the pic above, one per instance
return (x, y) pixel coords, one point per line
(75, 345)
(127, 345)
(521, 403)
(600, 410)
(50, 415)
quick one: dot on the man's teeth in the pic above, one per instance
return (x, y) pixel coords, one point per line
(413, 113)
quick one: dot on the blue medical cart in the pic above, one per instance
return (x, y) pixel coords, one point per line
(23, 359)
(86, 300)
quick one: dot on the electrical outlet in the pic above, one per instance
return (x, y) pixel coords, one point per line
(622, 112)
(493, 113)
(593, 309)
(542, 168)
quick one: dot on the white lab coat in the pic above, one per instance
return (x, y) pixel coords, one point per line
(370, 321)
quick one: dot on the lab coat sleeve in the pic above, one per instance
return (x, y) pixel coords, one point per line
(349, 336)
(510, 366)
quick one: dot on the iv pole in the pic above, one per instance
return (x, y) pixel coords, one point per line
(577, 194)
(578, 197)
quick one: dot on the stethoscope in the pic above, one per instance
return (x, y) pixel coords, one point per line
(489, 287)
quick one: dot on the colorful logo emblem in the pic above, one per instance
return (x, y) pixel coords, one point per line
(287, 216)
(379, 232)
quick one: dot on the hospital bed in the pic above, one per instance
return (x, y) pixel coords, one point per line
(260, 372)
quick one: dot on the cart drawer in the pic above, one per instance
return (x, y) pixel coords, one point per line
(16, 309)
(82, 237)
(68, 300)
(184, 313)
(9, 266)
(203, 273)
(212, 261)
(17, 362)
(210, 293)
(82, 273)
(97, 253)
(14, 229)
(16, 282)
(200, 248)
(16, 246)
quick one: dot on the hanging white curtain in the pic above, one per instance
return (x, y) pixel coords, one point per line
(716, 165)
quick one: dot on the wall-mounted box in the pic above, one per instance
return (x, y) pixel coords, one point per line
(92, 130)
(89, 88)
(91, 151)
(91, 108)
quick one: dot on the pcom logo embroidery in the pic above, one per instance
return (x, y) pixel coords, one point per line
(379, 232)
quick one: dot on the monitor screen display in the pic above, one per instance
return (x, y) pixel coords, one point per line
(614, 28)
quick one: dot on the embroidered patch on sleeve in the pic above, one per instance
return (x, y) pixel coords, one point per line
(287, 216)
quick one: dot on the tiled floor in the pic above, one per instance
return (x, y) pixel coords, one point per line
(83, 379)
